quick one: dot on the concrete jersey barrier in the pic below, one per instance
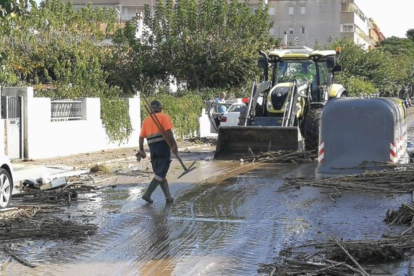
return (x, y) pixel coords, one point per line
(361, 134)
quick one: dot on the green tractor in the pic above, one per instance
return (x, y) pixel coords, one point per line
(285, 109)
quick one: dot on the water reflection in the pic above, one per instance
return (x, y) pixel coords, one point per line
(159, 245)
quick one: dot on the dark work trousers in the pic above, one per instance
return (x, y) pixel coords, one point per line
(160, 166)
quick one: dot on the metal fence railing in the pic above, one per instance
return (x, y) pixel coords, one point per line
(66, 110)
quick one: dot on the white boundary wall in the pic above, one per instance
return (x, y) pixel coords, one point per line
(46, 139)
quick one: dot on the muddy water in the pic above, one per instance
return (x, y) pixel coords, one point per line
(227, 218)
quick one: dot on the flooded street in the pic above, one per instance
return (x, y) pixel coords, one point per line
(227, 219)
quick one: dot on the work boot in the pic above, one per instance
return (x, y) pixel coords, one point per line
(151, 188)
(166, 190)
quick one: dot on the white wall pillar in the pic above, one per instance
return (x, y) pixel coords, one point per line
(134, 107)
(27, 94)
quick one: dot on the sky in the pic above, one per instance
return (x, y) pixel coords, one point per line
(394, 18)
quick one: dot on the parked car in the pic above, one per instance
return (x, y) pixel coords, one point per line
(6, 181)
(231, 117)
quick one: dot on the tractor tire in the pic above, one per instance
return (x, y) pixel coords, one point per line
(311, 129)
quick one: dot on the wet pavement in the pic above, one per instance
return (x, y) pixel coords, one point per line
(227, 219)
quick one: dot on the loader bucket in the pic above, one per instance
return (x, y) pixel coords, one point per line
(234, 141)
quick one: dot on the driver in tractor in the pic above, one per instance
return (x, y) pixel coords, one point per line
(305, 72)
(308, 72)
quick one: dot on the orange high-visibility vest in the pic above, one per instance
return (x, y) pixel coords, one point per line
(150, 130)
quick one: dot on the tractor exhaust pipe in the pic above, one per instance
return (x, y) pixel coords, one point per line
(265, 64)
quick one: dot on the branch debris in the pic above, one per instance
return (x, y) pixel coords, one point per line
(403, 216)
(61, 196)
(27, 222)
(281, 156)
(337, 257)
(387, 181)
(18, 258)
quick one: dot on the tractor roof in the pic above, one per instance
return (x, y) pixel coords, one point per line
(300, 53)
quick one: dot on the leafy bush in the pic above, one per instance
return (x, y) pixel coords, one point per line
(115, 116)
(355, 85)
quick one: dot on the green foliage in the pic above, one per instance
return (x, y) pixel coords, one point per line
(14, 7)
(59, 51)
(410, 34)
(398, 46)
(116, 118)
(208, 43)
(388, 68)
(400, 52)
(355, 85)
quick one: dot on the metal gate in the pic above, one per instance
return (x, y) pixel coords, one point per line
(12, 112)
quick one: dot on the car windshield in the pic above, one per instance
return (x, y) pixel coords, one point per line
(237, 108)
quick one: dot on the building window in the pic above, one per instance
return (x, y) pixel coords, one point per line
(303, 10)
(272, 11)
(302, 30)
(291, 10)
(347, 28)
(272, 31)
(291, 32)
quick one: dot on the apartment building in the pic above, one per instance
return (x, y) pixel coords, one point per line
(306, 22)
(126, 9)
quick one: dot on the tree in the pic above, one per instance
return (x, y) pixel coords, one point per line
(60, 52)
(387, 68)
(208, 43)
(14, 7)
(401, 53)
(398, 46)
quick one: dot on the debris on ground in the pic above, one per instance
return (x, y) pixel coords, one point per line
(209, 141)
(19, 212)
(55, 183)
(281, 156)
(68, 189)
(18, 258)
(36, 222)
(100, 168)
(404, 215)
(338, 257)
(388, 181)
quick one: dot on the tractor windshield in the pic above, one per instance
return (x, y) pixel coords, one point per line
(302, 71)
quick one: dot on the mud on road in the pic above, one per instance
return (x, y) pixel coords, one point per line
(228, 218)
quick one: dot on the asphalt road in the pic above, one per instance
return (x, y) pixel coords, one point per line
(227, 219)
